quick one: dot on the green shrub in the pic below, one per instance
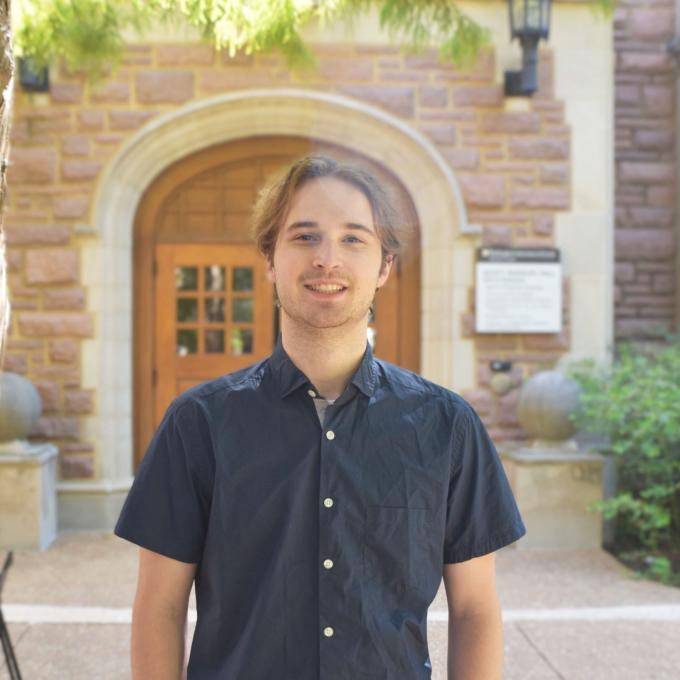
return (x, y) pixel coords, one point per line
(636, 403)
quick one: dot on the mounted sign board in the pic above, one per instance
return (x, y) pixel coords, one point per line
(518, 290)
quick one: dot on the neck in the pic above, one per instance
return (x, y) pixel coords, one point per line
(327, 358)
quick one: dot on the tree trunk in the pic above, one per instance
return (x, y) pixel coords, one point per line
(6, 87)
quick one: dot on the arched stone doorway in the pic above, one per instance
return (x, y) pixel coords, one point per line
(203, 306)
(446, 246)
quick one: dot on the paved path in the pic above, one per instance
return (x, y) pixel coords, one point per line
(570, 615)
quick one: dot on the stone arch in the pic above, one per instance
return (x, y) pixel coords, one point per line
(107, 271)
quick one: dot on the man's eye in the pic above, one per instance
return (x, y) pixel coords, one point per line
(303, 237)
(356, 240)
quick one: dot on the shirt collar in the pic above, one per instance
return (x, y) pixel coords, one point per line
(289, 377)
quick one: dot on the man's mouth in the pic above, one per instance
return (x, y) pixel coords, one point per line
(328, 290)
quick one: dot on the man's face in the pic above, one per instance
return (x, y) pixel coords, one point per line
(328, 237)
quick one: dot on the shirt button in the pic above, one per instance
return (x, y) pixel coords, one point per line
(328, 564)
(328, 502)
(311, 393)
(330, 434)
(328, 631)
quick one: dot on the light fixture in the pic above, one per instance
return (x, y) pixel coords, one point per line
(529, 23)
(32, 79)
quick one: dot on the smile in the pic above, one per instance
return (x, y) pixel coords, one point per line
(326, 290)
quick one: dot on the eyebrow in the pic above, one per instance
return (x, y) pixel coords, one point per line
(306, 224)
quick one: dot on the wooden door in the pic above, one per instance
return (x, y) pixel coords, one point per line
(214, 315)
(195, 217)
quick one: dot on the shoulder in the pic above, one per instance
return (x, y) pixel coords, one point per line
(408, 385)
(209, 397)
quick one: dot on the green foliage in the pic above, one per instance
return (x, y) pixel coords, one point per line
(636, 402)
(88, 34)
(425, 21)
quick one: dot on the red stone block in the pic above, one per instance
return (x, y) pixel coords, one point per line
(651, 217)
(480, 400)
(76, 467)
(32, 166)
(543, 225)
(53, 265)
(645, 62)
(439, 133)
(79, 325)
(539, 148)
(658, 100)
(49, 395)
(664, 283)
(66, 93)
(462, 159)
(541, 341)
(129, 120)
(478, 96)
(625, 272)
(658, 140)
(63, 350)
(483, 191)
(75, 145)
(15, 363)
(643, 172)
(652, 23)
(71, 207)
(185, 55)
(433, 97)
(168, 87)
(511, 122)
(36, 234)
(15, 260)
(343, 70)
(57, 427)
(399, 100)
(111, 93)
(543, 197)
(555, 174)
(644, 244)
(64, 298)
(497, 235)
(91, 120)
(78, 401)
(79, 170)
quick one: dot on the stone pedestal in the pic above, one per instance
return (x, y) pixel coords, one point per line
(28, 495)
(552, 488)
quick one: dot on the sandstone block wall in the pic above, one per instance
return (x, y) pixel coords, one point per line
(646, 166)
(513, 167)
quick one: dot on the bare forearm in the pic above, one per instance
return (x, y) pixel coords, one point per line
(476, 647)
(157, 646)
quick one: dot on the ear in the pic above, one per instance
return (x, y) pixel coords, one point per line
(271, 274)
(385, 271)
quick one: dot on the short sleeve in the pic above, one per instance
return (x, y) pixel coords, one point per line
(168, 505)
(481, 515)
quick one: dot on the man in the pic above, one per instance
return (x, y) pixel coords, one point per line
(317, 496)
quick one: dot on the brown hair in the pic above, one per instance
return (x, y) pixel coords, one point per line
(275, 198)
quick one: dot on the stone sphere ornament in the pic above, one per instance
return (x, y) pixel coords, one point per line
(546, 401)
(20, 407)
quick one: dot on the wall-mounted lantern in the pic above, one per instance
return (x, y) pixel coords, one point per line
(32, 79)
(529, 23)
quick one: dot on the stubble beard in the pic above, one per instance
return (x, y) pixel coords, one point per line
(315, 317)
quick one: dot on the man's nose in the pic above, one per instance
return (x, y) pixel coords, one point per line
(327, 255)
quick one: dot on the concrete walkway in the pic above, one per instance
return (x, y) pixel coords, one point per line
(575, 615)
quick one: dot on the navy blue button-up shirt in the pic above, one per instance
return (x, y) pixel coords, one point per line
(319, 546)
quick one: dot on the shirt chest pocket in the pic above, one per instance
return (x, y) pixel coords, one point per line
(393, 538)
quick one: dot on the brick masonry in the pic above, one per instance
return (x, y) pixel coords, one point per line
(646, 236)
(513, 169)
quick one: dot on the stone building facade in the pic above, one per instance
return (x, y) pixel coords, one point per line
(479, 169)
(646, 76)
